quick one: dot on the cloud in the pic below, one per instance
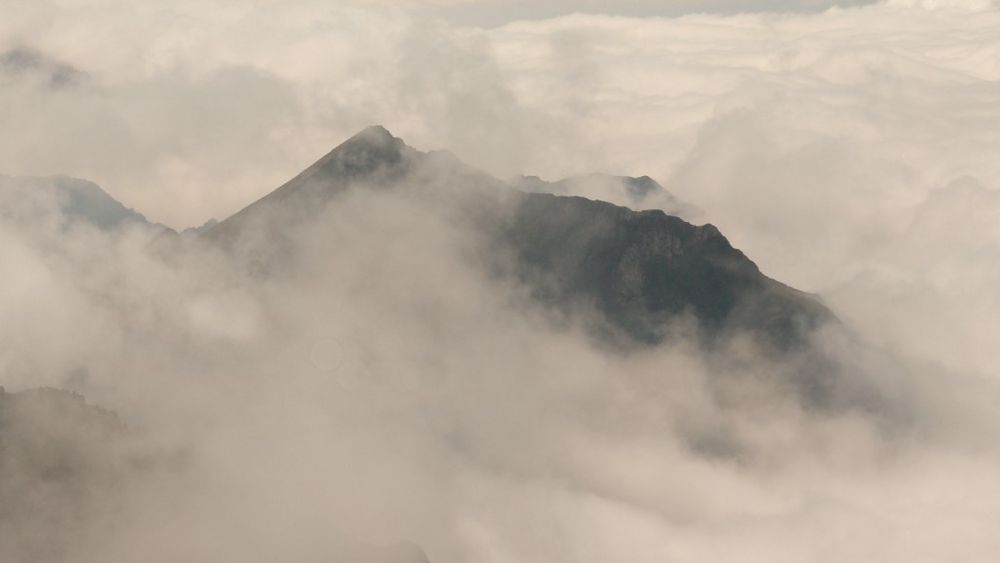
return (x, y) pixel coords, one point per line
(565, 96)
(444, 409)
(389, 391)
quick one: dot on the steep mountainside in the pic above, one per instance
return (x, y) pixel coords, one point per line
(642, 270)
(645, 269)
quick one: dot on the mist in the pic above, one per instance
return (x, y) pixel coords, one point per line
(380, 394)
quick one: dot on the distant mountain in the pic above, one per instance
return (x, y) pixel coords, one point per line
(72, 199)
(641, 270)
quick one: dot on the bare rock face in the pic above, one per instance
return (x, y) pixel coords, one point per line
(642, 270)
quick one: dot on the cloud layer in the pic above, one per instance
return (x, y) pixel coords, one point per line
(849, 153)
(382, 387)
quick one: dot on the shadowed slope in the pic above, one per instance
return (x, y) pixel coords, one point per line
(644, 270)
(641, 270)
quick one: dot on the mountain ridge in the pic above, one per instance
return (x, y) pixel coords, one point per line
(635, 192)
(73, 198)
(642, 270)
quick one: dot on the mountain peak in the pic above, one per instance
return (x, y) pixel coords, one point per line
(372, 142)
(376, 131)
(373, 137)
(372, 155)
(364, 154)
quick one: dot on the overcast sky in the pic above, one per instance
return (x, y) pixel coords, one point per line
(498, 12)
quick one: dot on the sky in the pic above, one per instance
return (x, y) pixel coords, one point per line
(847, 148)
(491, 13)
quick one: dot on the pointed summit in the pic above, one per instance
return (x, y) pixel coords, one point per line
(375, 134)
(369, 155)
(365, 153)
(370, 143)
(372, 157)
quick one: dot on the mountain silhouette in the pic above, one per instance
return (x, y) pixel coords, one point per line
(28, 198)
(642, 271)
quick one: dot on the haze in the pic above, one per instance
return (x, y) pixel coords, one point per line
(363, 383)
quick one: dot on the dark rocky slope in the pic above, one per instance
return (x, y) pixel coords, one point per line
(641, 270)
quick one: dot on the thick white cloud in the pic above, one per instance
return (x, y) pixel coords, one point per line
(352, 399)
